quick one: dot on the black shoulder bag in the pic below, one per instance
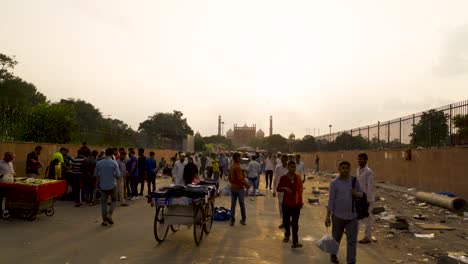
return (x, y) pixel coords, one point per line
(361, 204)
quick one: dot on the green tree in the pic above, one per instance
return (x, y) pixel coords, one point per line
(461, 124)
(431, 130)
(199, 142)
(85, 114)
(306, 144)
(7, 64)
(49, 124)
(275, 143)
(165, 125)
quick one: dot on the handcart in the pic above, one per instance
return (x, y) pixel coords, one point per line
(27, 201)
(173, 212)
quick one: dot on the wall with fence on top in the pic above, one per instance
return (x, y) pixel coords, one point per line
(396, 133)
(433, 170)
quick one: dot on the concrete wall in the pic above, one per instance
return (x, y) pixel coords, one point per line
(433, 170)
(21, 149)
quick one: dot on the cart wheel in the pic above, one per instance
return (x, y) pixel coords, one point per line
(175, 228)
(6, 214)
(50, 211)
(209, 213)
(198, 224)
(31, 217)
(160, 229)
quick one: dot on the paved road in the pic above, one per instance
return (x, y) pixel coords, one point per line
(74, 235)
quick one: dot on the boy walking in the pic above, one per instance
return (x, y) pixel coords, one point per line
(291, 185)
(341, 211)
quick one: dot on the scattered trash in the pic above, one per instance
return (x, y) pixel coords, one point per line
(123, 258)
(420, 217)
(459, 256)
(398, 261)
(387, 217)
(436, 226)
(409, 254)
(308, 238)
(400, 224)
(373, 239)
(425, 235)
(378, 210)
(411, 189)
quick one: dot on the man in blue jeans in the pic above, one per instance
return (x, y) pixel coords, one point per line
(238, 183)
(342, 210)
(107, 171)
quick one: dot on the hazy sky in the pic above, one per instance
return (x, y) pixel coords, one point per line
(308, 63)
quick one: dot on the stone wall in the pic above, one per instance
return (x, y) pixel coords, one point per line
(21, 149)
(433, 170)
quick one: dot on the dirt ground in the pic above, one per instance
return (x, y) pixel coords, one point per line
(405, 206)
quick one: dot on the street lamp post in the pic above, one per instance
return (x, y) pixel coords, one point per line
(330, 126)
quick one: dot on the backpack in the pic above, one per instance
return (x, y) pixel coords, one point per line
(361, 204)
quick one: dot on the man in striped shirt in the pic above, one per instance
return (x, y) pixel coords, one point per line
(76, 176)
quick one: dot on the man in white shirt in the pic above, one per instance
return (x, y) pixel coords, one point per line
(253, 172)
(178, 170)
(7, 173)
(269, 168)
(280, 170)
(365, 177)
(300, 167)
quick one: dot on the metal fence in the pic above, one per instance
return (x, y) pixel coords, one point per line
(396, 133)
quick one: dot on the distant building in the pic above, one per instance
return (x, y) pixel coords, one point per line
(243, 135)
(260, 133)
(230, 134)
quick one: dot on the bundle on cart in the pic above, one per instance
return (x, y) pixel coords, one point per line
(191, 205)
(29, 197)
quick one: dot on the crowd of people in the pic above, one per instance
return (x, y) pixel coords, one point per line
(118, 175)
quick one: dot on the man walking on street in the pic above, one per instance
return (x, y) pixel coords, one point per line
(33, 164)
(269, 168)
(132, 172)
(341, 210)
(280, 170)
(178, 170)
(300, 167)
(141, 170)
(121, 180)
(107, 171)
(291, 186)
(151, 167)
(366, 179)
(253, 172)
(238, 183)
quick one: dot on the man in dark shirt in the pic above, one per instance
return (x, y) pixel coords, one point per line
(76, 177)
(85, 150)
(33, 164)
(141, 170)
(89, 180)
(132, 172)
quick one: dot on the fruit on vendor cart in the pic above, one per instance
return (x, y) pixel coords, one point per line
(34, 182)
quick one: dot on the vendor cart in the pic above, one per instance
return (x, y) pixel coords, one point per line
(173, 212)
(28, 198)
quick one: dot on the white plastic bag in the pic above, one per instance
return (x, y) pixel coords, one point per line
(328, 244)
